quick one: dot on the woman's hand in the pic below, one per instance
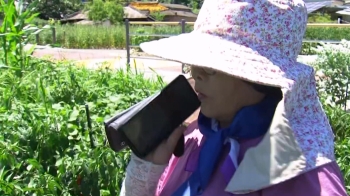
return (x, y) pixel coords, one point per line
(162, 154)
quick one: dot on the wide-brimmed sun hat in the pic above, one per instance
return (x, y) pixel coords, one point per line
(254, 40)
(259, 41)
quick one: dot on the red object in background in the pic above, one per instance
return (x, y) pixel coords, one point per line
(79, 180)
(79, 183)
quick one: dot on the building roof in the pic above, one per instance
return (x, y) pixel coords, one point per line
(179, 13)
(131, 12)
(176, 6)
(337, 2)
(345, 12)
(314, 6)
(151, 6)
(85, 22)
(80, 15)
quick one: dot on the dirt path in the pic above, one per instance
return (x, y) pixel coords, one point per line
(114, 59)
(78, 54)
(83, 54)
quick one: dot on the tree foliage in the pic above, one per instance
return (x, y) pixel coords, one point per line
(194, 4)
(57, 9)
(100, 11)
(158, 16)
(97, 11)
(320, 18)
(115, 12)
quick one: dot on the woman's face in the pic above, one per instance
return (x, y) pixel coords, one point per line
(222, 95)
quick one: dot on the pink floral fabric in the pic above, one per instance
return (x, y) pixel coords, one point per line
(266, 26)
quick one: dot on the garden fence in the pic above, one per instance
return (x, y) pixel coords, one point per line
(53, 30)
(128, 34)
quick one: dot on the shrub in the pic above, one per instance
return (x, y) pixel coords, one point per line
(339, 120)
(333, 67)
(158, 16)
(99, 10)
(48, 146)
(115, 12)
(320, 18)
(46, 140)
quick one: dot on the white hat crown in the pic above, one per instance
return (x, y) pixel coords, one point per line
(258, 24)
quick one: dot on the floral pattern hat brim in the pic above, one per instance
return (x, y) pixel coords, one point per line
(259, 41)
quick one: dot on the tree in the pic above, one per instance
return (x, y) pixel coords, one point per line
(111, 10)
(158, 16)
(115, 12)
(97, 11)
(56, 9)
(194, 6)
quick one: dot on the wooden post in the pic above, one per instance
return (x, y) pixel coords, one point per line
(127, 40)
(53, 35)
(64, 37)
(183, 30)
(37, 39)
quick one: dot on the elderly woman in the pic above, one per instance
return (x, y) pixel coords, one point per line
(261, 130)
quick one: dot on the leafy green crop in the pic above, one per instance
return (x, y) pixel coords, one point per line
(333, 66)
(45, 143)
(47, 146)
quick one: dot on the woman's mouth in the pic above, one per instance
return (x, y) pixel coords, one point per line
(201, 96)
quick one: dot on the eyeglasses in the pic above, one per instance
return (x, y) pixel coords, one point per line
(202, 70)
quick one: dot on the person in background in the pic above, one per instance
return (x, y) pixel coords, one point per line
(261, 130)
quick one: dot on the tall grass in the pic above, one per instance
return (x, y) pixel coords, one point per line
(90, 36)
(108, 37)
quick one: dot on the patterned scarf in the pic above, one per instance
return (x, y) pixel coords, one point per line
(249, 123)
